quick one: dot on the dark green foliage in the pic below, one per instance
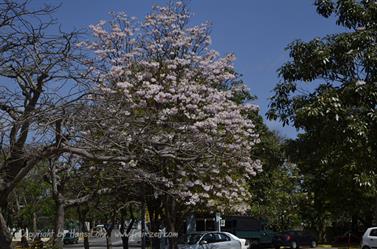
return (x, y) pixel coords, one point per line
(32, 198)
(276, 191)
(328, 90)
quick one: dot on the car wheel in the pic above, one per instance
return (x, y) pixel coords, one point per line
(294, 245)
(313, 244)
(248, 244)
(365, 247)
(253, 243)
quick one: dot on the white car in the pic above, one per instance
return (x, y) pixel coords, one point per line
(369, 240)
(211, 240)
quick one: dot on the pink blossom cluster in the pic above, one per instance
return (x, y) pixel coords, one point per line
(170, 96)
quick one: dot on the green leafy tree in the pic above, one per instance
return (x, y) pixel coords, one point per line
(276, 191)
(30, 204)
(328, 91)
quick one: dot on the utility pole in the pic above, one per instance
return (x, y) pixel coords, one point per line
(218, 222)
(143, 220)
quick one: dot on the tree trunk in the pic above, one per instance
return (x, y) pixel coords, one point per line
(35, 223)
(86, 235)
(171, 215)
(172, 239)
(143, 237)
(86, 242)
(155, 230)
(59, 226)
(5, 235)
(354, 223)
(375, 212)
(321, 229)
(109, 244)
(125, 242)
(154, 209)
(82, 217)
(125, 233)
(57, 189)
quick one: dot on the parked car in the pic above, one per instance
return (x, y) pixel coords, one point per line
(250, 228)
(70, 238)
(211, 240)
(294, 239)
(369, 239)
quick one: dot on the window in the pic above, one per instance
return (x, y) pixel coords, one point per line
(224, 237)
(217, 237)
(209, 238)
(373, 233)
(190, 239)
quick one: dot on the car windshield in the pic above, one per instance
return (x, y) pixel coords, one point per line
(190, 238)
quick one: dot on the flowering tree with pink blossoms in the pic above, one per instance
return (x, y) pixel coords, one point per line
(175, 107)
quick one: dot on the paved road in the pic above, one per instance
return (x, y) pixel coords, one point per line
(96, 246)
(100, 243)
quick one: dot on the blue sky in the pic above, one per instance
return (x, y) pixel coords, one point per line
(257, 31)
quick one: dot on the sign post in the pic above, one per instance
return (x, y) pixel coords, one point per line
(218, 219)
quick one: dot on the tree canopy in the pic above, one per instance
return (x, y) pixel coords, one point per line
(175, 105)
(328, 91)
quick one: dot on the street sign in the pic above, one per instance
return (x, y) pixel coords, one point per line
(222, 223)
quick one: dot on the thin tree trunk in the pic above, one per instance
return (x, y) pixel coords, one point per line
(82, 212)
(5, 235)
(59, 226)
(109, 230)
(172, 239)
(17, 201)
(59, 204)
(86, 233)
(35, 223)
(171, 212)
(354, 225)
(143, 232)
(375, 212)
(125, 242)
(321, 228)
(154, 208)
(109, 244)
(155, 230)
(125, 233)
(86, 242)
